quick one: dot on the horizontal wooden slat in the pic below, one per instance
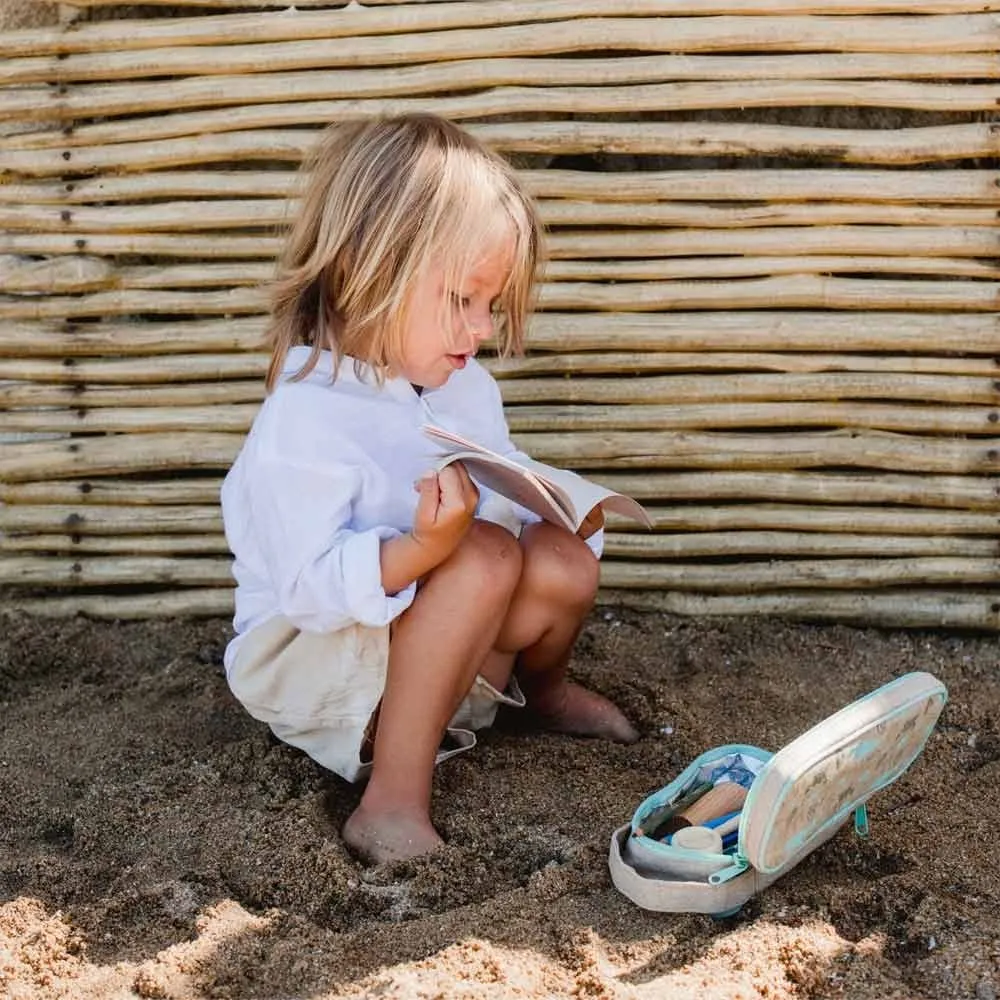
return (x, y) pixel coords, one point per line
(233, 417)
(917, 608)
(743, 387)
(882, 146)
(191, 489)
(353, 20)
(803, 229)
(817, 517)
(181, 216)
(847, 574)
(973, 492)
(972, 420)
(668, 389)
(845, 449)
(261, 248)
(49, 212)
(117, 454)
(196, 367)
(890, 240)
(877, 416)
(195, 602)
(186, 247)
(19, 395)
(711, 267)
(749, 577)
(758, 190)
(934, 144)
(616, 545)
(109, 520)
(791, 291)
(94, 571)
(689, 7)
(782, 544)
(725, 33)
(960, 608)
(634, 363)
(724, 330)
(162, 545)
(798, 333)
(81, 273)
(55, 339)
(528, 101)
(38, 103)
(809, 500)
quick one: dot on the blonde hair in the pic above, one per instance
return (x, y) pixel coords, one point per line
(385, 199)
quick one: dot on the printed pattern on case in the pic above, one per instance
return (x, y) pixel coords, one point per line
(835, 785)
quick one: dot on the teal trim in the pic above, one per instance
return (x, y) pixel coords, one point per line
(738, 867)
(861, 820)
(664, 795)
(673, 791)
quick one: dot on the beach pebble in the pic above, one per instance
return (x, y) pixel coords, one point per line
(985, 990)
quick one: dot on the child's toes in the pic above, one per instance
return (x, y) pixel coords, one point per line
(580, 712)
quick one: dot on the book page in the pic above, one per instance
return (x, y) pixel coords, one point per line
(511, 480)
(582, 495)
(554, 494)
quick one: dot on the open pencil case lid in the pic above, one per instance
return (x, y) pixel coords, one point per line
(800, 797)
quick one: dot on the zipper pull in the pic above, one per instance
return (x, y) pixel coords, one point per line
(861, 820)
(738, 867)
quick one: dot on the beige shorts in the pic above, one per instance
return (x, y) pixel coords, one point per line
(318, 691)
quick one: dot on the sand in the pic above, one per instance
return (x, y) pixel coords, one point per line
(156, 842)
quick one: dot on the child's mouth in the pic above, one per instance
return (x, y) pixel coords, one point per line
(458, 360)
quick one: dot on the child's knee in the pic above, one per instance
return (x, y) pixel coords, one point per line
(563, 565)
(492, 558)
(583, 570)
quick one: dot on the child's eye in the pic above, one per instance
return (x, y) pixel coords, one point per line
(460, 301)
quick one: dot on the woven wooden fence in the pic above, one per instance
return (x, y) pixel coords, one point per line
(770, 314)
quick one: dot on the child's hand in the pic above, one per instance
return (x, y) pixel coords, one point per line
(445, 510)
(594, 521)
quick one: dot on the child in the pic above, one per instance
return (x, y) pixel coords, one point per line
(382, 612)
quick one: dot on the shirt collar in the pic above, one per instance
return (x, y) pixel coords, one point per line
(347, 371)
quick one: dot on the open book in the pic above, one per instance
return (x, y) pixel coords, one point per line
(556, 495)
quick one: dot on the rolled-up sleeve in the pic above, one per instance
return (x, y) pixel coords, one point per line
(325, 575)
(596, 542)
(358, 555)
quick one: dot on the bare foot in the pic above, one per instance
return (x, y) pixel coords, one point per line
(380, 837)
(570, 708)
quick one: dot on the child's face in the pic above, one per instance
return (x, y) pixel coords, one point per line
(432, 350)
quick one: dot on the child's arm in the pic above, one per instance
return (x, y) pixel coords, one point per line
(289, 522)
(445, 510)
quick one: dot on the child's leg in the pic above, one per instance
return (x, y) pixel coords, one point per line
(553, 597)
(436, 649)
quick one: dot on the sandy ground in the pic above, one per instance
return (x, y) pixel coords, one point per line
(156, 842)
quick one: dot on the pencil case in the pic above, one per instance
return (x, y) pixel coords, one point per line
(786, 804)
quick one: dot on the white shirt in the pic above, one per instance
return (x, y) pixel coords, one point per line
(327, 473)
